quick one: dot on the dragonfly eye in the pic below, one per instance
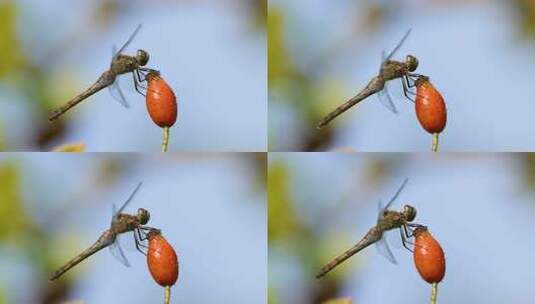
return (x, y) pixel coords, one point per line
(143, 216)
(409, 212)
(411, 62)
(142, 57)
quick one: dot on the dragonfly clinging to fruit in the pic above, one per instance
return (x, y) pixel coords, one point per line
(121, 223)
(389, 70)
(387, 220)
(120, 64)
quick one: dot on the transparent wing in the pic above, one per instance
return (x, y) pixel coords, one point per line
(386, 100)
(128, 41)
(117, 252)
(384, 250)
(113, 213)
(115, 89)
(398, 45)
(397, 193)
(384, 95)
(380, 209)
(117, 94)
(128, 200)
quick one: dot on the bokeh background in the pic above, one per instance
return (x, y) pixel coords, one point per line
(479, 54)
(480, 207)
(212, 53)
(210, 207)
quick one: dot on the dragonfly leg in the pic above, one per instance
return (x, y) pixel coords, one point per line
(413, 225)
(409, 86)
(408, 232)
(142, 237)
(142, 72)
(413, 77)
(145, 235)
(404, 241)
(137, 85)
(139, 238)
(406, 86)
(138, 244)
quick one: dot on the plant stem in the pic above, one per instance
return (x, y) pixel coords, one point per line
(167, 295)
(434, 147)
(434, 291)
(165, 141)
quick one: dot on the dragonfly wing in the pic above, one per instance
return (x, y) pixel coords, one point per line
(113, 213)
(113, 54)
(117, 252)
(117, 94)
(128, 41)
(384, 250)
(383, 60)
(380, 209)
(397, 193)
(129, 199)
(386, 99)
(115, 89)
(384, 95)
(398, 45)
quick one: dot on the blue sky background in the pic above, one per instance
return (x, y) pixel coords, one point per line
(211, 208)
(209, 52)
(473, 51)
(479, 207)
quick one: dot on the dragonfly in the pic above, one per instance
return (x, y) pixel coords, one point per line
(389, 70)
(120, 64)
(387, 220)
(120, 223)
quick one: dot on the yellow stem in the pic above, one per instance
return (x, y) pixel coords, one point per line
(167, 296)
(434, 147)
(434, 291)
(165, 142)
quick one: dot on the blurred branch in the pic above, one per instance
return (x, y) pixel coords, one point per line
(70, 147)
(339, 301)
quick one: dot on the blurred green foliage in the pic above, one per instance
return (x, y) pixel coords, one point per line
(280, 65)
(526, 20)
(297, 239)
(282, 219)
(295, 87)
(11, 204)
(12, 58)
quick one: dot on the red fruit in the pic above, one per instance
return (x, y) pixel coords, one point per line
(161, 259)
(161, 100)
(430, 106)
(428, 256)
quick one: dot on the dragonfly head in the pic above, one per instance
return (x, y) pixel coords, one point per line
(411, 62)
(143, 216)
(142, 57)
(409, 212)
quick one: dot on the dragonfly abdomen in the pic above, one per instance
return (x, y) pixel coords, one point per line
(371, 237)
(106, 79)
(375, 85)
(104, 241)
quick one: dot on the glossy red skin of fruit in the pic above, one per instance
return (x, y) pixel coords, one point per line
(428, 256)
(162, 260)
(430, 106)
(160, 100)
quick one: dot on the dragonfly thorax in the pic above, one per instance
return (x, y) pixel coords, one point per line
(143, 216)
(409, 212)
(142, 57)
(411, 62)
